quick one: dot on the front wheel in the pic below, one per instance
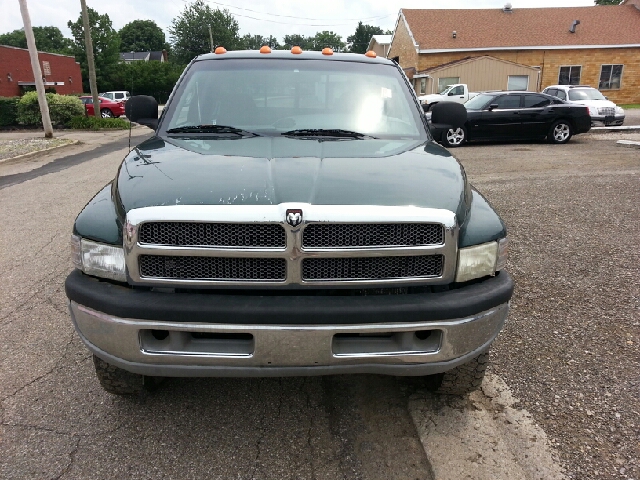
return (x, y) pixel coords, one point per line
(560, 132)
(463, 379)
(106, 113)
(121, 382)
(454, 137)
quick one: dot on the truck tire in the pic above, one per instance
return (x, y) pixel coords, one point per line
(120, 382)
(560, 132)
(463, 379)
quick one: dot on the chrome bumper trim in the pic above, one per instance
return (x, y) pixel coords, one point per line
(128, 341)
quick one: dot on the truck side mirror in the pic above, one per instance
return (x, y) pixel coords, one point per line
(142, 109)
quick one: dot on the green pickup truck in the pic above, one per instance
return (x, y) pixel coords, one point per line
(291, 215)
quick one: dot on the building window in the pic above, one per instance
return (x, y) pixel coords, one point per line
(570, 75)
(610, 76)
(446, 81)
(518, 82)
(423, 86)
(46, 68)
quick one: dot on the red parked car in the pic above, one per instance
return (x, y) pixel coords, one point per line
(108, 108)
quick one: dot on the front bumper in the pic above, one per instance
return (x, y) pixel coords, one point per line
(601, 120)
(245, 335)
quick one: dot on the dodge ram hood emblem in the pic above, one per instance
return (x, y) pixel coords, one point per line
(294, 217)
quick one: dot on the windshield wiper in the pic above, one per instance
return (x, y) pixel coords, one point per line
(325, 132)
(211, 129)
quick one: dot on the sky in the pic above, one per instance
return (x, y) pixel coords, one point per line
(257, 17)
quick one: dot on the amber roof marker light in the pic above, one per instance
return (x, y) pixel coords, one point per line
(220, 50)
(265, 49)
(296, 50)
(327, 51)
(370, 54)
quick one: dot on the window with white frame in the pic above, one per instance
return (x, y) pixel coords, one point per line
(610, 77)
(444, 82)
(46, 68)
(518, 82)
(570, 75)
(422, 86)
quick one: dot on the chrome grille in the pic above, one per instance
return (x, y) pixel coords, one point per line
(356, 246)
(212, 268)
(188, 234)
(372, 268)
(335, 235)
(607, 111)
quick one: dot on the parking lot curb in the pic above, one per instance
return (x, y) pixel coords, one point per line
(483, 436)
(628, 143)
(36, 153)
(623, 128)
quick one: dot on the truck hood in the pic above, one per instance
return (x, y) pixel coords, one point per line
(273, 170)
(432, 97)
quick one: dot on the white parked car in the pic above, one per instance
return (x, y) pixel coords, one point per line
(602, 111)
(116, 96)
(458, 93)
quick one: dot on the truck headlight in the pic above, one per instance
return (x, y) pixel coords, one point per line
(481, 260)
(593, 111)
(98, 259)
(619, 111)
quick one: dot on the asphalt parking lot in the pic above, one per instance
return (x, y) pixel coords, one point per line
(570, 351)
(569, 354)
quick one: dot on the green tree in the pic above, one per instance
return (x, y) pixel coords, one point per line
(147, 78)
(141, 36)
(106, 48)
(359, 41)
(607, 2)
(48, 39)
(290, 41)
(327, 39)
(189, 31)
(254, 42)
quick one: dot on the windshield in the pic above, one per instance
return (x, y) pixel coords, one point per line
(478, 102)
(279, 96)
(585, 94)
(446, 89)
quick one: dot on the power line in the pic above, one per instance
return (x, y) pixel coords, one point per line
(296, 18)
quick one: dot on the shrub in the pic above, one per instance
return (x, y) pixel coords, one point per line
(61, 109)
(8, 110)
(93, 123)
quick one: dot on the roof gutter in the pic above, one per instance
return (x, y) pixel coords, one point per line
(541, 47)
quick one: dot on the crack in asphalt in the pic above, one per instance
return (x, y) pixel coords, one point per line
(261, 437)
(39, 286)
(72, 458)
(49, 372)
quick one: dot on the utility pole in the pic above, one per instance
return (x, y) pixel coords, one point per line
(88, 43)
(37, 71)
(210, 39)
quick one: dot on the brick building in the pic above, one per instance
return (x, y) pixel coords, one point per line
(60, 72)
(597, 46)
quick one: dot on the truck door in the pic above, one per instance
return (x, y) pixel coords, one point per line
(457, 94)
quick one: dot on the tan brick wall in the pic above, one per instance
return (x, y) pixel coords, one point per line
(403, 47)
(591, 61)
